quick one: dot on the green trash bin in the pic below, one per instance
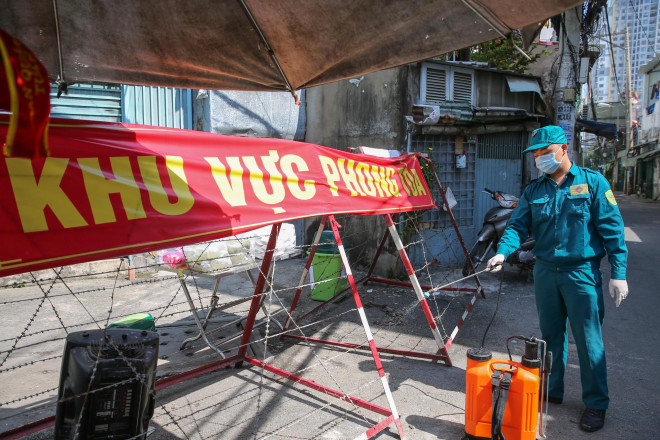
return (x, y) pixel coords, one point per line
(327, 274)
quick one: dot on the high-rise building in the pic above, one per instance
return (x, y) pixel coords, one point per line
(640, 18)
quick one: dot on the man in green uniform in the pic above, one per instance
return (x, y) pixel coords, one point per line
(572, 214)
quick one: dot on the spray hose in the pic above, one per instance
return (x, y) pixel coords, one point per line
(499, 292)
(546, 357)
(497, 306)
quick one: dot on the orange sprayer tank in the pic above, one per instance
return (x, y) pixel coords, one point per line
(521, 414)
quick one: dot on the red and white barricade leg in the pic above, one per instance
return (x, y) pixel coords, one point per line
(417, 287)
(367, 328)
(392, 414)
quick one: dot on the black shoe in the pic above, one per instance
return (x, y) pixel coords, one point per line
(555, 400)
(592, 419)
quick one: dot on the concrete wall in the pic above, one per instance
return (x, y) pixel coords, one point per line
(650, 124)
(364, 111)
(545, 67)
(650, 132)
(100, 268)
(254, 114)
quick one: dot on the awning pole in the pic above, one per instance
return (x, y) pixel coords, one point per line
(269, 49)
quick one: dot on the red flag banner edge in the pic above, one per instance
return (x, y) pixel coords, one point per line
(25, 92)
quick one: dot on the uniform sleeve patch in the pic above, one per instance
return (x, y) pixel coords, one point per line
(577, 190)
(610, 197)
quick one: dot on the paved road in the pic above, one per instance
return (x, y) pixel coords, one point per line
(631, 331)
(630, 335)
(429, 396)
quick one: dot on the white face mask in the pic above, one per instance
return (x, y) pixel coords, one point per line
(547, 163)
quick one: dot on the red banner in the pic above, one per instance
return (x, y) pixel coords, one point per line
(25, 92)
(108, 190)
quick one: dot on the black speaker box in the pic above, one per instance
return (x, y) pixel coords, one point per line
(106, 386)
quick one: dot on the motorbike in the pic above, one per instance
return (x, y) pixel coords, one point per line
(495, 222)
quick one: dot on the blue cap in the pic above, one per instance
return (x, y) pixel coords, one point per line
(544, 136)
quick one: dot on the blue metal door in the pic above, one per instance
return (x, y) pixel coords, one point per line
(160, 106)
(499, 168)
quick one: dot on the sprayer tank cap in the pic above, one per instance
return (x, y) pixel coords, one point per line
(479, 354)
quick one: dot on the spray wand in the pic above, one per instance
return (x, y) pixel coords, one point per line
(437, 289)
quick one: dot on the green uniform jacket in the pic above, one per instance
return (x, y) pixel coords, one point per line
(573, 223)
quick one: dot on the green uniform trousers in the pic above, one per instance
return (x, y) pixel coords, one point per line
(576, 295)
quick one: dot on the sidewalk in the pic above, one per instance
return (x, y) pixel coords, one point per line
(633, 198)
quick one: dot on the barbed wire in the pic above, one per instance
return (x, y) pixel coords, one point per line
(389, 333)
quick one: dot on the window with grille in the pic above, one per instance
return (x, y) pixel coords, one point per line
(440, 83)
(441, 149)
(463, 87)
(436, 85)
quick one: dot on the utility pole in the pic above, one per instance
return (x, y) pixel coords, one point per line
(629, 132)
(567, 88)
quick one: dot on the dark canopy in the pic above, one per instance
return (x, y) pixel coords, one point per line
(602, 129)
(254, 44)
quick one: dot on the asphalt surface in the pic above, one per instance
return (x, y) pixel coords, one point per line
(246, 403)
